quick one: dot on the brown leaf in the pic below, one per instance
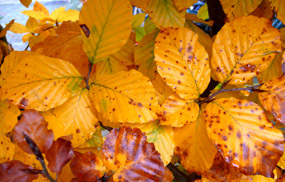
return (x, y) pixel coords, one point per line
(127, 152)
(14, 171)
(168, 176)
(87, 167)
(59, 154)
(32, 124)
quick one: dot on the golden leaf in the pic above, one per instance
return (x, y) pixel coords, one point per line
(38, 82)
(182, 62)
(140, 4)
(66, 45)
(162, 90)
(26, 2)
(103, 33)
(75, 117)
(195, 18)
(40, 7)
(144, 55)
(279, 7)
(142, 162)
(60, 15)
(164, 14)
(125, 97)
(183, 4)
(8, 26)
(243, 134)
(179, 112)
(8, 116)
(273, 100)
(237, 8)
(193, 146)
(18, 28)
(263, 10)
(244, 48)
(7, 148)
(28, 159)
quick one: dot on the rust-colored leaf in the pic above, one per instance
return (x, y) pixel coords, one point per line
(87, 167)
(15, 171)
(244, 136)
(274, 99)
(126, 151)
(59, 154)
(168, 176)
(32, 124)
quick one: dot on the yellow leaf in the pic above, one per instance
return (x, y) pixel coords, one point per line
(38, 15)
(204, 39)
(160, 136)
(26, 2)
(38, 82)
(26, 37)
(258, 178)
(179, 112)
(125, 97)
(263, 10)
(183, 4)
(39, 7)
(162, 90)
(8, 26)
(32, 24)
(103, 33)
(164, 14)
(28, 159)
(193, 17)
(60, 15)
(144, 55)
(281, 162)
(140, 4)
(75, 117)
(66, 45)
(237, 8)
(193, 146)
(138, 19)
(243, 134)
(282, 30)
(18, 28)
(7, 148)
(273, 100)
(203, 12)
(244, 48)
(8, 116)
(182, 62)
(279, 7)
(273, 70)
(35, 39)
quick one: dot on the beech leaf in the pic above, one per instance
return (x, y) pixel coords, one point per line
(279, 7)
(7, 148)
(126, 151)
(244, 136)
(183, 4)
(8, 116)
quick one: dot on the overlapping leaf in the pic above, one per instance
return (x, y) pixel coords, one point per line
(125, 97)
(75, 117)
(179, 112)
(183, 4)
(38, 82)
(273, 99)
(263, 10)
(66, 45)
(8, 116)
(7, 148)
(140, 4)
(237, 8)
(126, 151)
(103, 33)
(243, 134)
(279, 7)
(244, 48)
(195, 149)
(164, 14)
(182, 62)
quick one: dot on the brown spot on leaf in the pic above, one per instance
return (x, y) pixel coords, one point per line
(239, 134)
(85, 29)
(24, 102)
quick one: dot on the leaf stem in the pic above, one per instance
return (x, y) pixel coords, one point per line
(33, 146)
(88, 76)
(105, 127)
(251, 88)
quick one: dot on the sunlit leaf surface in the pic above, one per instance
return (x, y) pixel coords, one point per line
(279, 7)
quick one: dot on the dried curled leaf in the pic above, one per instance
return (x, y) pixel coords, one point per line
(32, 123)
(87, 167)
(126, 151)
(273, 99)
(244, 48)
(125, 97)
(59, 154)
(104, 35)
(182, 62)
(38, 82)
(244, 136)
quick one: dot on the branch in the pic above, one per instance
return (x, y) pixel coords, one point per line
(33, 146)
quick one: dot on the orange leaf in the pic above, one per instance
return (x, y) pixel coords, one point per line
(243, 48)
(263, 10)
(87, 166)
(274, 99)
(140, 4)
(182, 62)
(126, 151)
(168, 176)
(183, 4)
(32, 124)
(161, 88)
(279, 7)
(26, 2)
(243, 134)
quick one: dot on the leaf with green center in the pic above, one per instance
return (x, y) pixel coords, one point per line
(182, 62)
(103, 33)
(138, 20)
(244, 48)
(75, 117)
(243, 134)
(125, 97)
(38, 82)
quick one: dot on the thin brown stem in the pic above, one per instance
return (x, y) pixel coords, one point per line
(88, 76)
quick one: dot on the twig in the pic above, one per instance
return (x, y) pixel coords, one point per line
(39, 156)
(88, 76)
(27, 47)
(105, 127)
